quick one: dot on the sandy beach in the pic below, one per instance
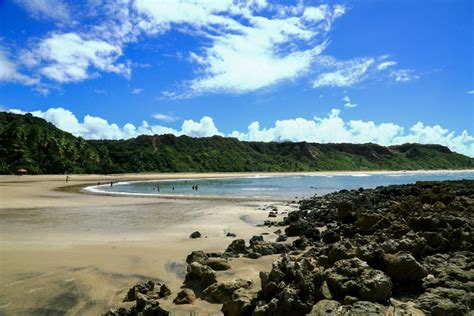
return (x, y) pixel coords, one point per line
(70, 253)
(66, 252)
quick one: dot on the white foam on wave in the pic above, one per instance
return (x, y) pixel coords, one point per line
(360, 175)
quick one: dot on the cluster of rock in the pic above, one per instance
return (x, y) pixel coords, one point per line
(146, 297)
(396, 250)
(400, 250)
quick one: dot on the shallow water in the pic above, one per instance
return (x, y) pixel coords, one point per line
(274, 187)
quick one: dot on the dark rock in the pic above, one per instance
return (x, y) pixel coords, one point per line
(241, 304)
(185, 296)
(229, 234)
(217, 264)
(363, 308)
(199, 276)
(403, 267)
(222, 292)
(197, 256)
(325, 308)
(444, 301)
(195, 234)
(354, 277)
(236, 247)
(330, 237)
(255, 239)
(282, 238)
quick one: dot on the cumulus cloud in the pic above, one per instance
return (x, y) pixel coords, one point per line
(71, 57)
(93, 127)
(347, 102)
(470, 92)
(328, 129)
(48, 9)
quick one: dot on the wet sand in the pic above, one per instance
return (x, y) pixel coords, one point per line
(63, 252)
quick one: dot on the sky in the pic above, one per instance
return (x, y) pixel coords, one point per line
(380, 71)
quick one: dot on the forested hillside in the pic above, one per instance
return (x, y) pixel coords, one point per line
(38, 146)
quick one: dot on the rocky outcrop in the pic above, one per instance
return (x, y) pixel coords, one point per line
(145, 296)
(185, 296)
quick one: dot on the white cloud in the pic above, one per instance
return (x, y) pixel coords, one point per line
(386, 64)
(347, 73)
(9, 71)
(404, 75)
(137, 91)
(347, 102)
(49, 9)
(329, 129)
(93, 127)
(470, 92)
(165, 117)
(70, 57)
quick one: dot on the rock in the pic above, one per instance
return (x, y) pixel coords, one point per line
(344, 211)
(185, 296)
(281, 238)
(339, 251)
(263, 308)
(164, 291)
(403, 267)
(253, 255)
(195, 234)
(200, 276)
(197, 256)
(229, 234)
(362, 308)
(217, 264)
(264, 248)
(325, 308)
(367, 221)
(236, 247)
(443, 301)
(354, 277)
(272, 214)
(255, 239)
(222, 292)
(149, 289)
(330, 237)
(241, 304)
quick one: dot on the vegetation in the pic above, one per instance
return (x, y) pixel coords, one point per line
(38, 146)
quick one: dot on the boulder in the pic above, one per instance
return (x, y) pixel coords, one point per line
(185, 296)
(330, 236)
(281, 238)
(200, 276)
(197, 256)
(444, 301)
(354, 277)
(362, 308)
(229, 234)
(325, 308)
(222, 292)
(403, 267)
(236, 247)
(241, 304)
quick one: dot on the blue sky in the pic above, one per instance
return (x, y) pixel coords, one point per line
(325, 71)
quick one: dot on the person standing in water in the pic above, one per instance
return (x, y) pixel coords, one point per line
(158, 188)
(111, 183)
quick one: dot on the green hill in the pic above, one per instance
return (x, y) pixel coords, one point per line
(38, 146)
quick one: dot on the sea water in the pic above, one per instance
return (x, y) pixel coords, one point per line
(273, 187)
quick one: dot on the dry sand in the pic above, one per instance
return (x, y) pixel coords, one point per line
(64, 252)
